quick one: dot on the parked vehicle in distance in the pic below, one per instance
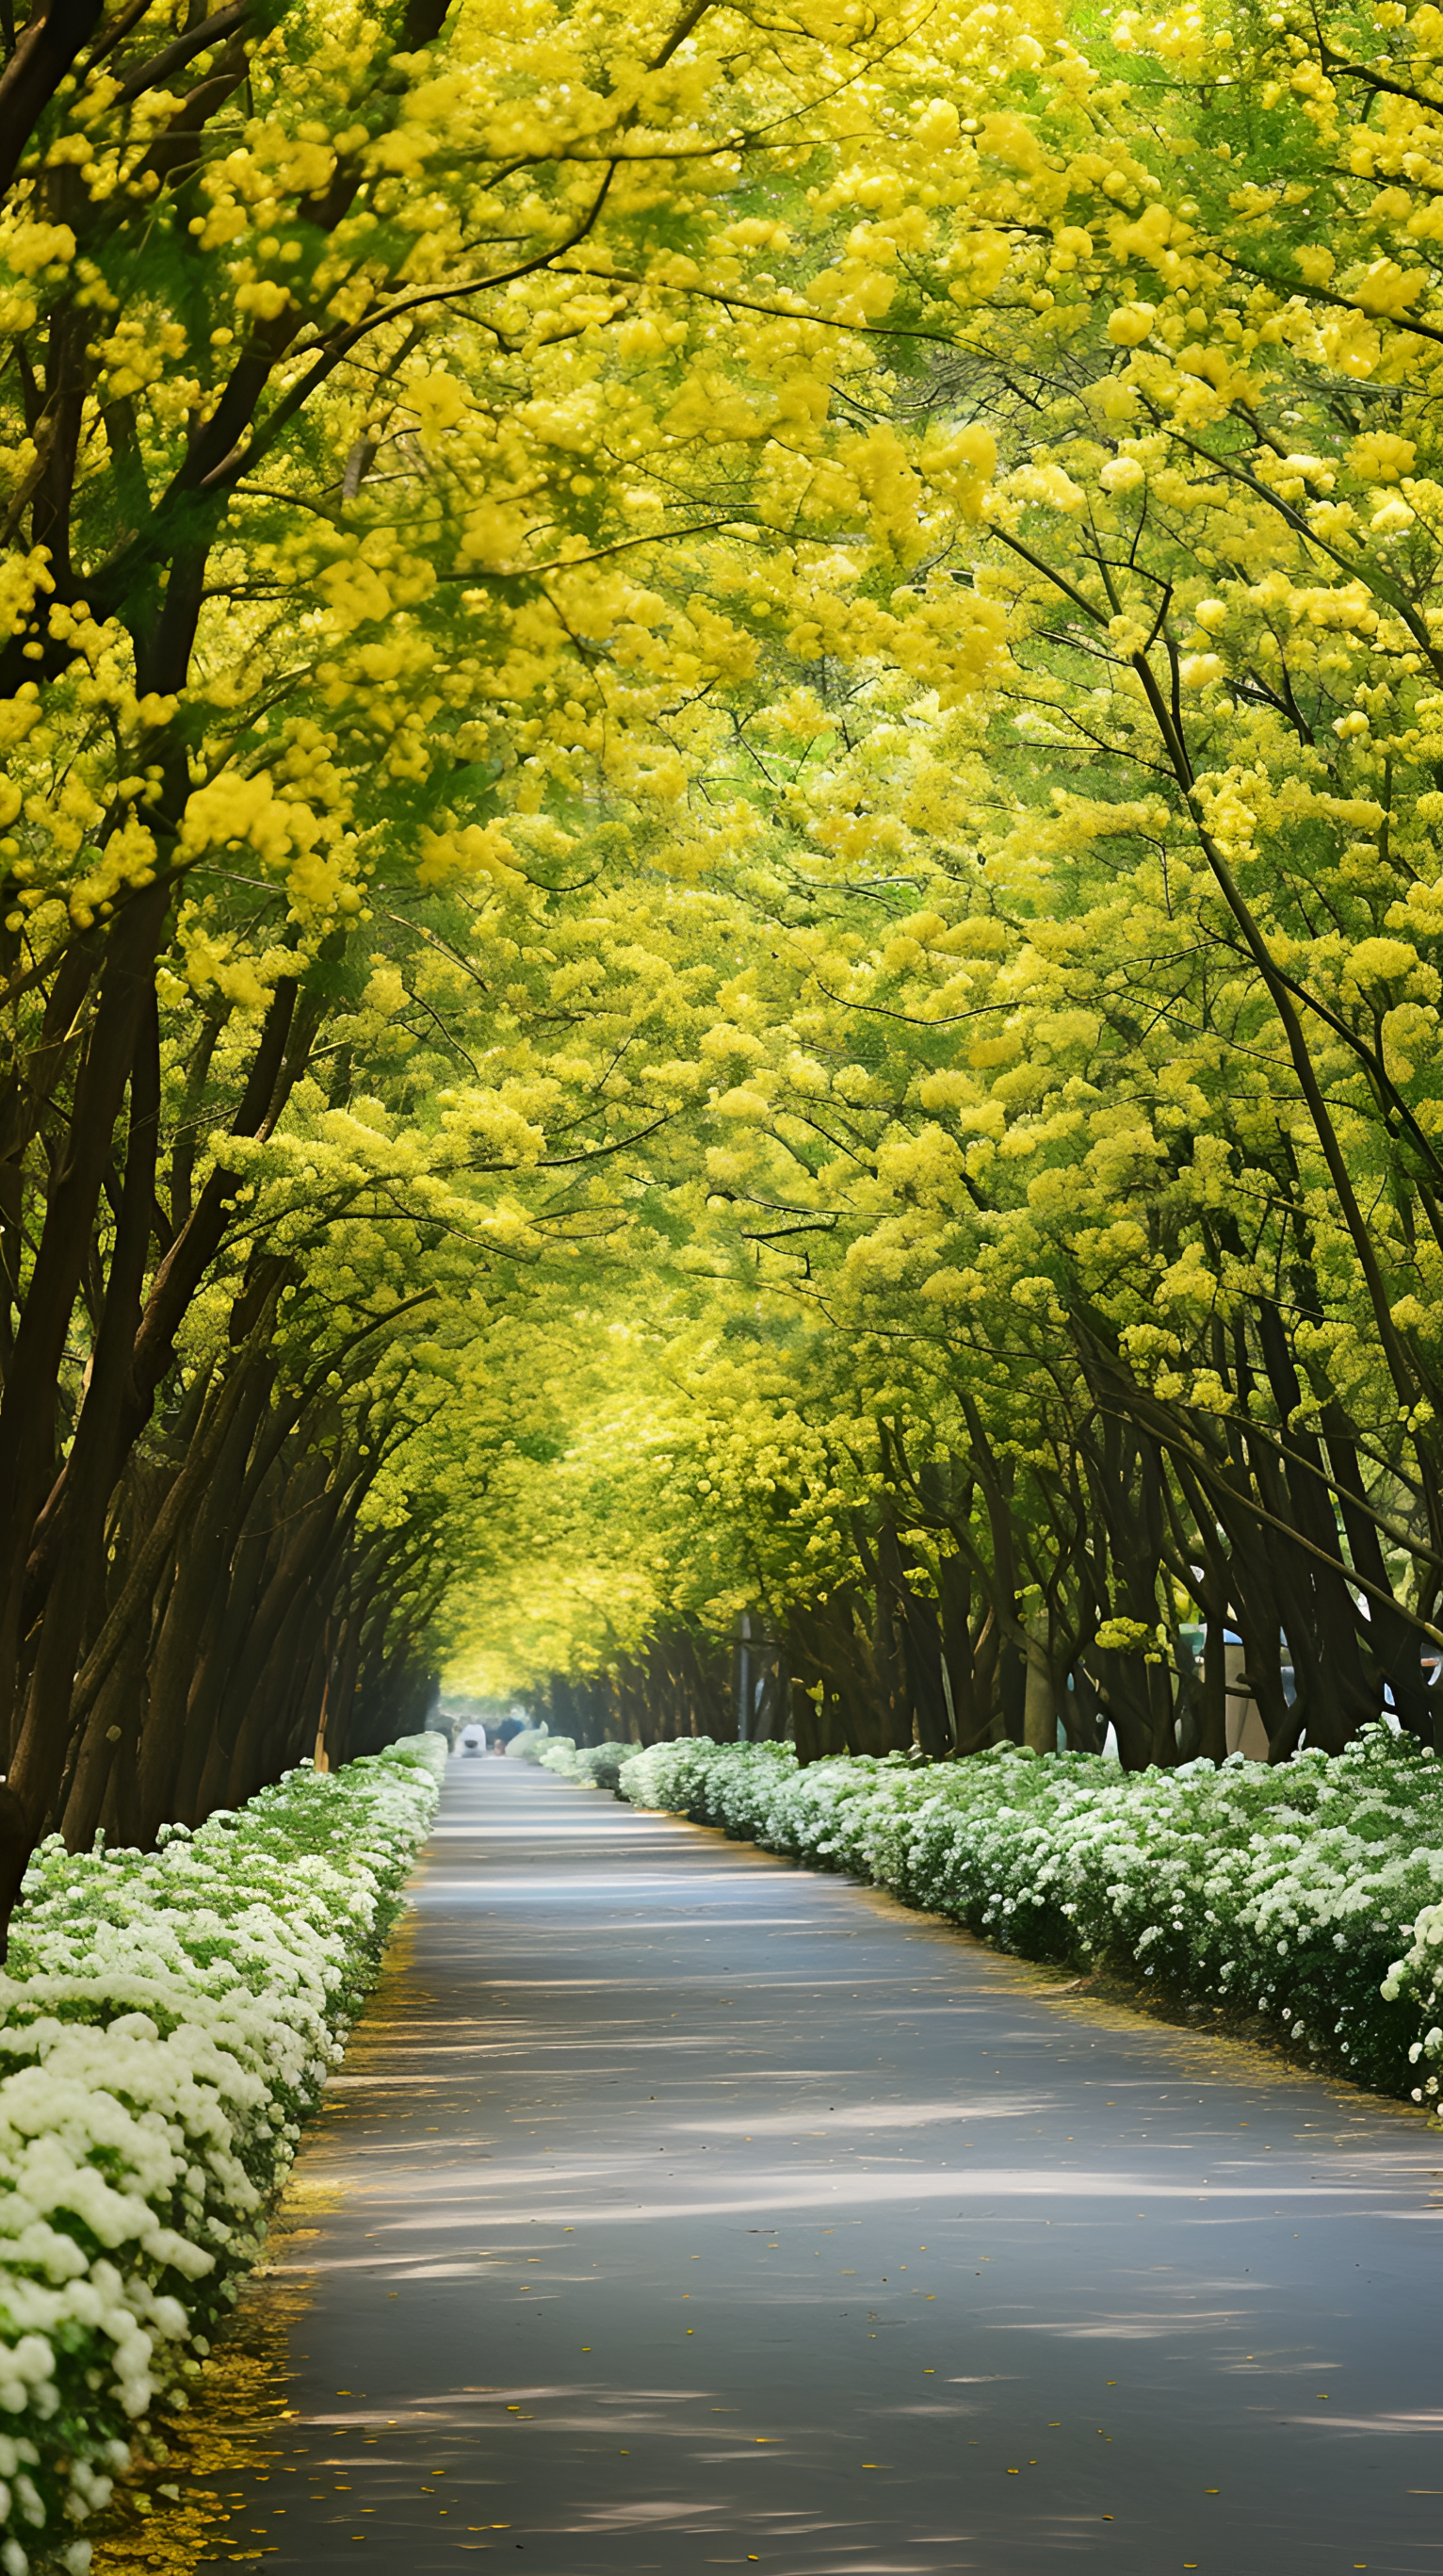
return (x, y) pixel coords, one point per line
(473, 1739)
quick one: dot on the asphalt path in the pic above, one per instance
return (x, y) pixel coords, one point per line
(680, 2209)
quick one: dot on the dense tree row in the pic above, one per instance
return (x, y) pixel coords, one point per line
(316, 1050)
(720, 729)
(1075, 1165)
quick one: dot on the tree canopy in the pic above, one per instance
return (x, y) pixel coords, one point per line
(723, 772)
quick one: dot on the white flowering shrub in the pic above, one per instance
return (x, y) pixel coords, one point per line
(167, 2019)
(1311, 1893)
(597, 1766)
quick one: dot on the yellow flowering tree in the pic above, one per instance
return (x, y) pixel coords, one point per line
(791, 658)
(374, 391)
(1125, 1129)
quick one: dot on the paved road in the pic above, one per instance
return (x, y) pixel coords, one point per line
(692, 2211)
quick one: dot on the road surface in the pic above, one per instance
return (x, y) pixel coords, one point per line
(688, 2210)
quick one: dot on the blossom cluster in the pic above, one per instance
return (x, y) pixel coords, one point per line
(1309, 1893)
(598, 1766)
(167, 2019)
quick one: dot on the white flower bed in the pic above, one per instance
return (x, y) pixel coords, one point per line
(596, 1766)
(1309, 1893)
(166, 2019)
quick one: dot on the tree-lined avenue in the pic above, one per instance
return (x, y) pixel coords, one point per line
(680, 2209)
